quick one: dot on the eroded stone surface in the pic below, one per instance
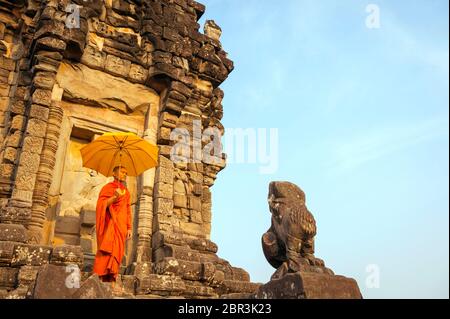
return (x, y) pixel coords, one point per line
(307, 285)
(289, 247)
(87, 86)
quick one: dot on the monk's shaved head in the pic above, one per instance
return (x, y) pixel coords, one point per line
(116, 169)
(120, 173)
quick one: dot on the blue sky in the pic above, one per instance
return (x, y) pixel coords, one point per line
(362, 119)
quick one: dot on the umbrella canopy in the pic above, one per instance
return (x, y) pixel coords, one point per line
(120, 149)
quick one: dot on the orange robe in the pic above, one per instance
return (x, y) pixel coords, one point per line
(111, 227)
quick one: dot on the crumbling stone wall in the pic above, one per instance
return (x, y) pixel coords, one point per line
(127, 65)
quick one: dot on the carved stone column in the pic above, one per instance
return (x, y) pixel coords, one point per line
(15, 39)
(145, 214)
(45, 174)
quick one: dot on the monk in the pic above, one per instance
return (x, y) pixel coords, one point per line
(113, 226)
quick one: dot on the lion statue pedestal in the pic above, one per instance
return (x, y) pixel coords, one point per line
(289, 247)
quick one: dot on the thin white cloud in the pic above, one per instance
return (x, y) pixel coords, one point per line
(349, 154)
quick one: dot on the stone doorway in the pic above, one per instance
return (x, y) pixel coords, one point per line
(72, 216)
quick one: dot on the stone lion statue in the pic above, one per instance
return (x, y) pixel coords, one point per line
(289, 243)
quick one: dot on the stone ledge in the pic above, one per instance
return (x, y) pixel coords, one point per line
(13, 232)
(307, 285)
(234, 286)
(161, 285)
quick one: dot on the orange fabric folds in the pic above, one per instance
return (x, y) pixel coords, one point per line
(112, 225)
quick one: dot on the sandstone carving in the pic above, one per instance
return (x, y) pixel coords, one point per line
(87, 86)
(289, 243)
(289, 247)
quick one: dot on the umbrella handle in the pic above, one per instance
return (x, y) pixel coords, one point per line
(120, 165)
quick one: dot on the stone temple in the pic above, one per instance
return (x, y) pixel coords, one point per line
(71, 71)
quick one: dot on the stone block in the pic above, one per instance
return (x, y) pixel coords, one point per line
(142, 269)
(164, 175)
(196, 178)
(13, 233)
(17, 214)
(163, 190)
(192, 229)
(43, 97)
(56, 282)
(206, 213)
(161, 284)
(50, 43)
(166, 163)
(197, 190)
(86, 245)
(44, 63)
(7, 64)
(177, 252)
(208, 271)
(39, 112)
(129, 284)
(163, 206)
(195, 290)
(88, 218)
(33, 144)
(88, 262)
(218, 279)
(160, 239)
(44, 80)
(67, 255)
(179, 187)
(6, 252)
(6, 171)
(165, 150)
(30, 162)
(203, 245)
(138, 73)
(239, 274)
(180, 201)
(36, 128)
(196, 217)
(164, 135)
(13, 140)
(232, 286)
(27, 275)
(5, 101)
(195, 203)
(18, 107)
(94, 58)
(8, 277)
(31, 255)
(93, 288)
(117, 66)
(4, 89)
(10, 154)
(25, 179)
(189, 270)
(67, 225)
(306, 285)
(17, 123)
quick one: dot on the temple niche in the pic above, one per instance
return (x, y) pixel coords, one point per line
(71, 71)
(92, 108)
